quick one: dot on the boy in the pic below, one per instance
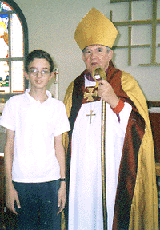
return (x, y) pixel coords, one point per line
(34, 154)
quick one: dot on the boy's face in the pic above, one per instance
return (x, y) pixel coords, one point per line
(39, 73)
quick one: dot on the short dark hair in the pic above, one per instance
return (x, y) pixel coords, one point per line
(38, 54)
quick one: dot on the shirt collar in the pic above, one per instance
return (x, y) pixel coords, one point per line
(33, 100)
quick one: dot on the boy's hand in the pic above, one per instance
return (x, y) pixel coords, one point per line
(62, 196)
(11, 197)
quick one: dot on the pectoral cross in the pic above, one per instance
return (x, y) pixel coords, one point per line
(90, 94)
(90, 115)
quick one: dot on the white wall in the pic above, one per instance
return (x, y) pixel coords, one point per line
(51, 26)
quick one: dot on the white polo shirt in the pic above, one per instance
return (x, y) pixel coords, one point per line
(35, 125)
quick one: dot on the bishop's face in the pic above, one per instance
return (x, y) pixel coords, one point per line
(96, 56)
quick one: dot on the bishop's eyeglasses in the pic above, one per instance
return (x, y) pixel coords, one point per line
(35, 72)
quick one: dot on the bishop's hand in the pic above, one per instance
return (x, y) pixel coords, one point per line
(106, 92)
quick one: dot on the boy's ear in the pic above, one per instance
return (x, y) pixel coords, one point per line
(52, 74)
(26, 75)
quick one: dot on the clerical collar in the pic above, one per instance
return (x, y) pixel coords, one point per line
(90, 78)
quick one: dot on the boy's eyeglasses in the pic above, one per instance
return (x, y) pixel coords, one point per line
(35, 72)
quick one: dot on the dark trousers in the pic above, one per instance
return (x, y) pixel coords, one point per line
(39, 206)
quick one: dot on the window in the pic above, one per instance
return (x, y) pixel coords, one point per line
(13, 48)
(138, 22)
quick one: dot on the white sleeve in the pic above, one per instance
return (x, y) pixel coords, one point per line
(62, 124)
(7, 119)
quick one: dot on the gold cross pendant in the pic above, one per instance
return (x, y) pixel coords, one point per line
(90, 115)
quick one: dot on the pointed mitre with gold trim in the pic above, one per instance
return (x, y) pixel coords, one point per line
(95, 29)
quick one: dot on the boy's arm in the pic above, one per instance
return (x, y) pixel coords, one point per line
(11, 193)
(60, 154)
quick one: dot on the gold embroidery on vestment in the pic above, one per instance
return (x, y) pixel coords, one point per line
(92, 93)
(90, 115)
